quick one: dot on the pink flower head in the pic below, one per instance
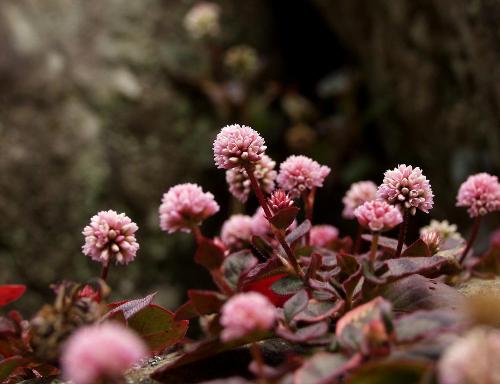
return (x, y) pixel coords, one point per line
(408, 188)
(237, 145)
(378, 216)
(323, 235)
(239, 183)
(260, 225)
(245, 313)
(110, 236)
(473, 358)
(279, 200)
(99, 352)
(184, 206)
(480, 193)
(358, 193)
(300, 173)
(237, 231)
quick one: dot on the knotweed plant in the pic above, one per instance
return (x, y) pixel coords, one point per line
(291, 301)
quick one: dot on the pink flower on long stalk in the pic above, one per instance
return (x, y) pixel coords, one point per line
(358, 193)
(237, 231)
(246, 313)
(185, 206)
(300, 173)
(110, 237)
(100, 352)
(407, 188)
(237, 145)
(239, 183)
(480, 193)
(378, 216)
(323, 235)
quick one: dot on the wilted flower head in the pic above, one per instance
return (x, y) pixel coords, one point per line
(242, 60)
(279, 200)
(432, 239)
(378, 216)
(110, 236)
(202, 20)
(472, 359)
(239, 183)
(444, 229)
(245, 313)
(323, 235)
(237, 230)
(99, 352)
(480, 193)
(184, 206)
(300, 173)
(358, 193)
(236, 145)
(408, 188)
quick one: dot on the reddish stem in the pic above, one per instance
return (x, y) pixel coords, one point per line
(373, 247)
(308, 198)
(198, 236)
(279, 235)
(257, 357)
(403, 228)
(357, 241)
(472, 238)
(105, 270)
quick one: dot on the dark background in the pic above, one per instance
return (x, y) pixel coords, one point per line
(101, 107)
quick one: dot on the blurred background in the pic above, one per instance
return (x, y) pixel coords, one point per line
(106, 104)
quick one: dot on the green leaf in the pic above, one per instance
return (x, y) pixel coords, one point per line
(295, 305)
(285, 217)
(7, 366)
(390, 372)
(321, 366)
(237, 264)
(209, 254)
(287, 285)
(157, 327)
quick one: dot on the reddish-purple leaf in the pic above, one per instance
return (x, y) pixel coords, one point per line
(288, 285)
(285, 217)
(236, 264)
(130, 308)
(321, 366)
(206, 302)
(424, 324)
(408, 372)
(209, 254)
(418, 248)
(405, 266)
(309, 333)
(298, 232)
(186, 311)
(384, 242)
(157, 327)
(10, 293)
(319, 310)
(295, 304)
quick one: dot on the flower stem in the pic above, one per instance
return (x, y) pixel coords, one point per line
(472, 238)
(105, 270)
(198, 236)
(403, 228)
(277, 233)
(257, 357)
(373, 247)
(308, 198)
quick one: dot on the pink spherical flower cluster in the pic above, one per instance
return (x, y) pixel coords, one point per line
(378, 216)
(407, 188)
(100, 352)
(323, 235)
(245, 313)
(300, 173)
(480, 193)
(237, 230)
(184, 206)
(472, 359)
(110, 236)
(239, 183)
(237, 145)
(358, 193)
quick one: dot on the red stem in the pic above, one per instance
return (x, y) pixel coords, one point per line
(105, 270)
(308, 198)
(403, 228)
(357, 241)
(279, 235)
(257, 357)
(472, 238)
